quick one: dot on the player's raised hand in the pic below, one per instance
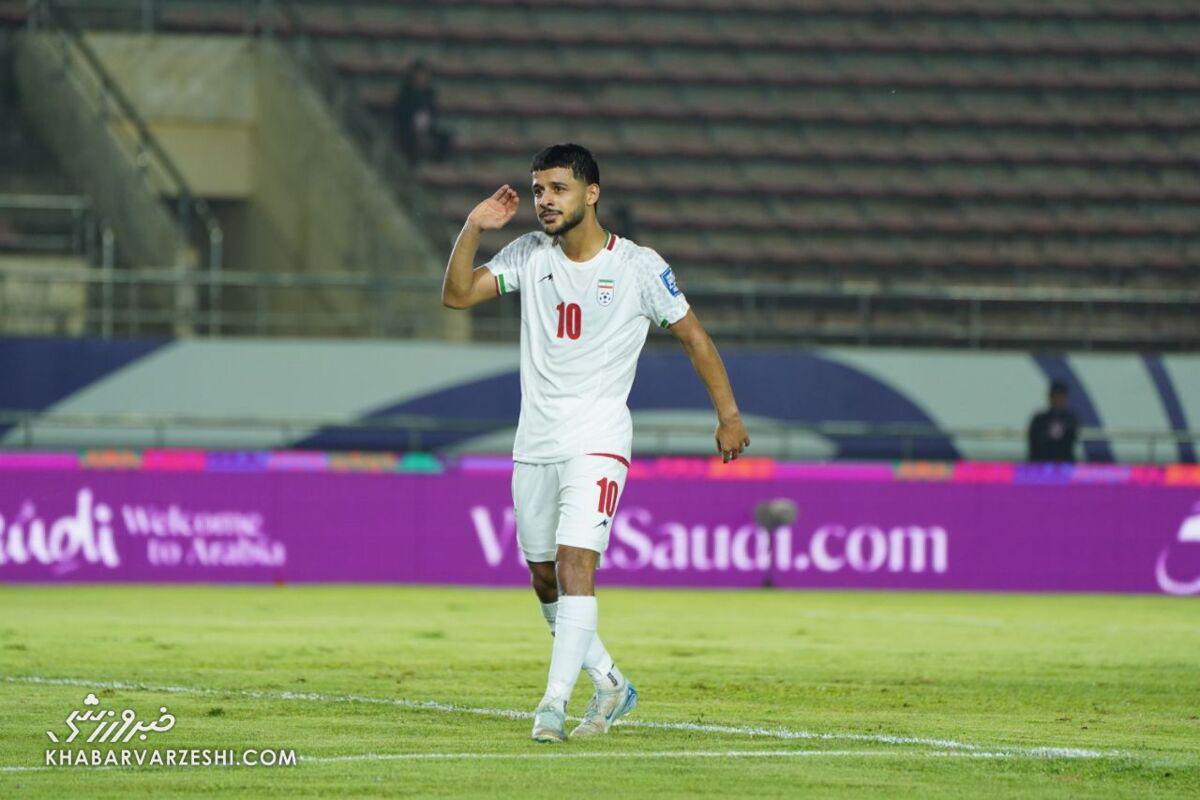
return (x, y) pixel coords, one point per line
(732, 439)
(496, 211)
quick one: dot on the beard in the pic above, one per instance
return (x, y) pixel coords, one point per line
(566, 223)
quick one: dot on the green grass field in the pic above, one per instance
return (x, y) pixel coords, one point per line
(413, 691)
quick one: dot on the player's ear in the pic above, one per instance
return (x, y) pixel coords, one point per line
(593, 194)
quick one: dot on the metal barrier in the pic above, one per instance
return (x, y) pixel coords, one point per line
(115, 304)
(80, 234)
(288, 303)
(31, 429)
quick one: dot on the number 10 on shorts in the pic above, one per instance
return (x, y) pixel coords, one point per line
(608, 496)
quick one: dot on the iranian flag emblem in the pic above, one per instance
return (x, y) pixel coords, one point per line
(604, 291)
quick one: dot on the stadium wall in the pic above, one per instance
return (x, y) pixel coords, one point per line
(360, 380)
(70, 117)
(292, 191)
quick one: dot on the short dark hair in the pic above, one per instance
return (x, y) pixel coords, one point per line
(577, 157)
(1059, 387)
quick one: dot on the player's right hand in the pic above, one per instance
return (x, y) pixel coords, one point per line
(731, 438)
(496, 211)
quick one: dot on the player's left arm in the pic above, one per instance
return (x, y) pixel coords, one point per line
(731, 434)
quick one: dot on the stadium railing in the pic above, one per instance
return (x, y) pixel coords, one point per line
(273, 303)
(38, 429)
(66, 224)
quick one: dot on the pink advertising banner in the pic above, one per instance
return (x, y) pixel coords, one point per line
(862, 527)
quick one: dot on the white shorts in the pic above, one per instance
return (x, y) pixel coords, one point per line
(568, 502)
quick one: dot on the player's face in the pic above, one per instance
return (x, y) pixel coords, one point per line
(560, 199)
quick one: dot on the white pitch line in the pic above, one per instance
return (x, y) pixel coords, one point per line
(623, 754)
(653, 754)
(507, 713)
(612, 754)
(983, 754)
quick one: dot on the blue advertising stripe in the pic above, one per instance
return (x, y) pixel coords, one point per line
(496, 398)
(796, 387)
(41, 372)
(1171, 405)
(1056, 368)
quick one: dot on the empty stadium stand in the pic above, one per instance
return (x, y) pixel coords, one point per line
(927, 155)
(46, 223)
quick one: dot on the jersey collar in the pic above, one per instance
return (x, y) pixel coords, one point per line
(609, 245)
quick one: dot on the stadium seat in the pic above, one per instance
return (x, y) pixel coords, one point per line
(1001, 136)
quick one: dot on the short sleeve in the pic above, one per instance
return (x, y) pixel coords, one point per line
(508, 265)
(662, 301)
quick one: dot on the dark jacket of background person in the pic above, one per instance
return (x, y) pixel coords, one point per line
(414, 117)
(1052, 432)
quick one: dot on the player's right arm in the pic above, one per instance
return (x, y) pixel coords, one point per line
(465, 285)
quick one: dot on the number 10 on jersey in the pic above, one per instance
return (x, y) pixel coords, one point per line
(608, 496)
(570, 320)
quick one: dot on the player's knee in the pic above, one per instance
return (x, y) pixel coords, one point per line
(544, 581)
(576, 569)
(543, 588)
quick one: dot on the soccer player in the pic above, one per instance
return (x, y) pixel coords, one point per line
(587, 297)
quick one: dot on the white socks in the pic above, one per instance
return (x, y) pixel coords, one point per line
(548, 611)
(603, 672)
(598, 663)
(574, 631)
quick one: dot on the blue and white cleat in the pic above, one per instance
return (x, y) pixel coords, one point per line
(548, 723)
(606, 708)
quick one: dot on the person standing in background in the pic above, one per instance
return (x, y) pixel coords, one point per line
(414, 117)
(1052, 432)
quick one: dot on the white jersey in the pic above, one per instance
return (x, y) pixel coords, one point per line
(583, 325)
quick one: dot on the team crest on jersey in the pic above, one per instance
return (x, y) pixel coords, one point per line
(605, 291)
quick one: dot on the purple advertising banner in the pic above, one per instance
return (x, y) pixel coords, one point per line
(62, 525)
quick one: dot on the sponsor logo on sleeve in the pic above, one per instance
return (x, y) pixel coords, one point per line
(668, 278)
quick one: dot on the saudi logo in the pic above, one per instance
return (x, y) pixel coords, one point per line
(604, 291)
(1189, 531)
